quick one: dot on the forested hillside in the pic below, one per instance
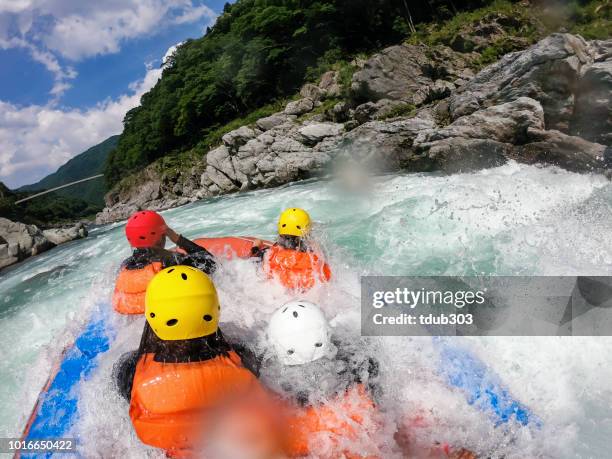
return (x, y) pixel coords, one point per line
(45, 211)
(86, 164)
(257, 52)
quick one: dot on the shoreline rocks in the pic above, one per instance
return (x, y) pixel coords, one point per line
(415, 108)
(19, 241)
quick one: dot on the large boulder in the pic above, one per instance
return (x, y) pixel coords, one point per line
(312, 92)
(61, 235)
(458, 154)
(19, 241)
(559, 149)
(548, 72)
(385, 146)
(592, 117)
(284, 152)
(505, 123)
(6, 259)
(408, 73)
(270, 122)
(238, 137)
(315, 132)
(146, 187)
(220, 170)
(299, 107)
(483, 139)
(118, 211)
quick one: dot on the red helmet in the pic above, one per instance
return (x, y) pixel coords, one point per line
(145, 229)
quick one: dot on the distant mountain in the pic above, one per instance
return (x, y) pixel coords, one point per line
(86, 164)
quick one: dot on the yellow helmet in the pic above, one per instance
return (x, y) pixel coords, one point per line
(181, 303)
(294, 222)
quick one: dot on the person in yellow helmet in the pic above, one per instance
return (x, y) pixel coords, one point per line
(292, 259)
(184, 368)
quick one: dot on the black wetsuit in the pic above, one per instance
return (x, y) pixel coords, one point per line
(197, 257)
(286, 242)
(316, 381)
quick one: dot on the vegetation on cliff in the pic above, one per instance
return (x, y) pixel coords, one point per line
(261, 51)
(257, 52)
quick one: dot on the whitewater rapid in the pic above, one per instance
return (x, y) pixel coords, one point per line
(511, 220)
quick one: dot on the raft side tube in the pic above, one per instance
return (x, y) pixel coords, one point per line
(228, 247)
(482, 387)
(55, 410)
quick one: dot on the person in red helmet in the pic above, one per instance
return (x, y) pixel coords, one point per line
(146, 231)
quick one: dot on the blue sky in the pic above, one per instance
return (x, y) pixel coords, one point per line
(70, 69)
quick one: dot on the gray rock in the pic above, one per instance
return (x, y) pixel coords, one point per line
(405, 72)
(340, 112)
(220, 159)
(385, 146)
(315, 132)
(61, 235)
(365, 112)
(220, 170)
(5, 257)
(602, 49)
(592, 117)
(330, 84)
(559, 149)
(234, 139)
(456, 155)
(270, 122)
(21, 241)
(547, 72)
(505, 123)
(312, 92)
(299, 107)
(116, 212)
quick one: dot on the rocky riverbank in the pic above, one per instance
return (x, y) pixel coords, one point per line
(415, 108)
(19, 241)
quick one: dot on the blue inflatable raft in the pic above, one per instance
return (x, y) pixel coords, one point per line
(55, 410)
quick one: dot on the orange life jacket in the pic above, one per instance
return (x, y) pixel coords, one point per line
(170, 401)
(130, 288)
(339, 418)
(294, 269)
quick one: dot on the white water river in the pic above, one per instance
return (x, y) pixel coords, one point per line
(511, 220)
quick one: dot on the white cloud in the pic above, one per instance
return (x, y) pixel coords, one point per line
(36, 140)
(77, 29)
(61, 75)
(14, 6)
(53, 30)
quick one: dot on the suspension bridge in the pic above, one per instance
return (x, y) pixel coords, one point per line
(58, 188)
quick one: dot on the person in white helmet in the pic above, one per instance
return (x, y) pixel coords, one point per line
(303, 360)
(309, 365)
(317, 376)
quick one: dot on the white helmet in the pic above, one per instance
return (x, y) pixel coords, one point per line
(299, 333)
